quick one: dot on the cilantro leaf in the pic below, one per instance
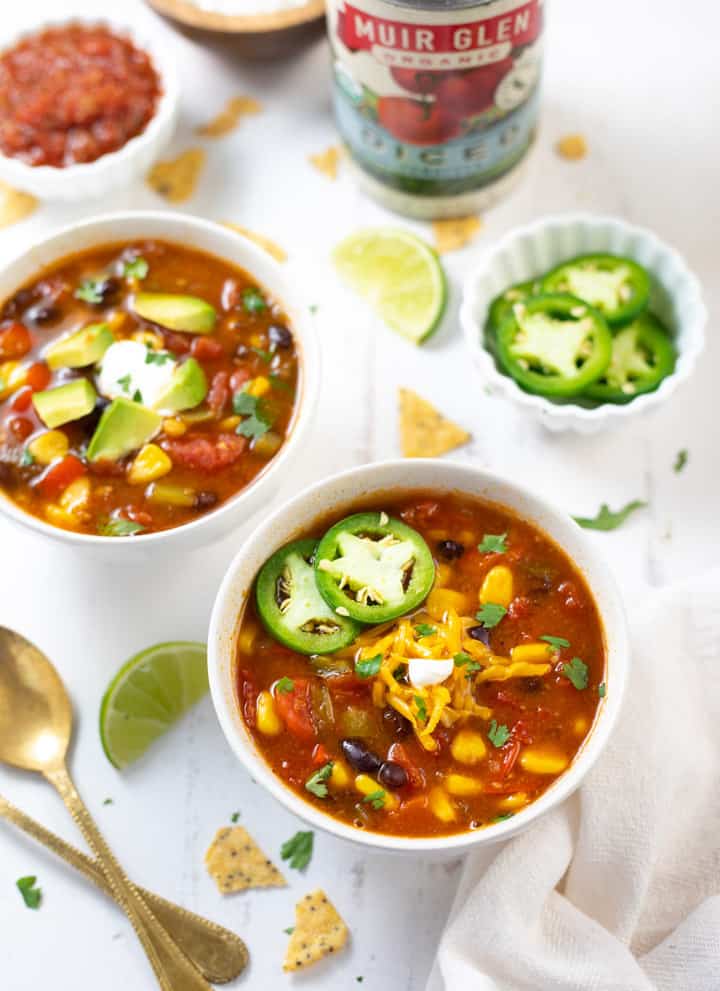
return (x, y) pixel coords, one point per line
(32, 895)
(244, 404)
(493, 543)
(252, 427)
(498, 735)
(490, 614)
(503, 816)
(461, 659)
(557, 642)
(290, 930)
(90, 291)
(235, 817)
(257, 422)
(298, 849)
(315, 784)
(576, 672)
(606, 519)
(157, 357)
(376, 798)
(253, 301)
(27, 458)
(116, 526)
(421, 708)
(137, 396)
(602, 690)
(124, 382)
(681, 459)
(261, 353)
(424, 630)
(369, 667)
(285, 686)
(108, 801)
(136, 269)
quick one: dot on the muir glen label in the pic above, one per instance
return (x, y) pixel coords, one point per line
(437, 107)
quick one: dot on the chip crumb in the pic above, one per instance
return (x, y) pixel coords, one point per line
(176, 178)
(453, 234)
(319, 931)
(15, 205)
(228, 119)
(236, 862)
(278, 253)
(572, 147)
(328, 161)
(424, 431)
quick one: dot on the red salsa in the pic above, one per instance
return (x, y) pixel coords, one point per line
(71, 94)
(469, 696)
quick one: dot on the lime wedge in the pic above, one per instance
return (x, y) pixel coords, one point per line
(399, 275)
(147, 695)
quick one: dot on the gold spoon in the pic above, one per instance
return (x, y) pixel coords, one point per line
(218, 954)
(35, 731)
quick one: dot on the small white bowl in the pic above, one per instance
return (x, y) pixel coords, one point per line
(528, 252)
(337, 494)
(231, 247)
(116, 168)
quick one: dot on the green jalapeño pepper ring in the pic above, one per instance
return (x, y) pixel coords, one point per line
(554, 345)
(502, 305)
(617, 286)
(642, 356)
(373, 568)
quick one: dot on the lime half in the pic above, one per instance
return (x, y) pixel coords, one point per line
(148, 694)
(399, 275)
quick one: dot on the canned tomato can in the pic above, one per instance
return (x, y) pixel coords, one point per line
(436, 102)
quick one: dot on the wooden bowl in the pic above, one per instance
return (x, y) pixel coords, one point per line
(252, 36)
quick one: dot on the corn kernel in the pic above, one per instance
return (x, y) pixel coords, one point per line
(76, 496)
(515, 801)
(498, 586)
(463, 786)
(257, 340)
(580, 726)
(49, 446)
(378, 693)
(443, 575)
(12, 377)
(539, 761)
(59, 517)
(230, 422)
(531, 653)
(442, 599)
(259, 386)
(268, 721)
(117, 319)
(173, 427)
(150, 463)
(246, 638)
(368, 786)
(441, 806)
(467, 538)
(150, 339)
(339, 776)
(468, 747)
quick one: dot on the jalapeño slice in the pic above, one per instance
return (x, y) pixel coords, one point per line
(292, 609)
(617, 286)
(554, 345)
(501, 306)
(642, 356)
(373, 567)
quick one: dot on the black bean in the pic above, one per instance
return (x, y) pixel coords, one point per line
(42, 312)
(533, 685)
(480, 633)
(20, 301)
(206, 500)
(91, 419)
(392, 775)
(359, 756)
(450, 549)
(280, 336)
(396, 724)
(242, 351)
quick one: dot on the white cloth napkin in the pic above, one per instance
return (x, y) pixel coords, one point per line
(619, 888)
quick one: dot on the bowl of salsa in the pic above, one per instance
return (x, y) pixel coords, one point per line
(157, 374)
(418, 655)
(85, 106)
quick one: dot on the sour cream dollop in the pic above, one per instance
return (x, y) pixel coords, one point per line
(125, 371)
(423, 672)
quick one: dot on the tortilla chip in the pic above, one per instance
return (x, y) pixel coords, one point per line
(15, 205)
(319, 931)
(327, 161)
(424, 432)
(176, 178)
(270, 246)
(451, 235)
(573, 147)
(236, 862)
(229, 118)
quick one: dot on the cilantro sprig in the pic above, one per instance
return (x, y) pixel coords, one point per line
(493, 543)
(606, 519)
(90, 291)
(116, 526)
(421, 708)
(376, 798)
(576, 672)
(315, 784)
(498, 735)
(369, 667)
(424, 630)
(298, 850)
(285, 685)
(253, 301)
(136, 268)
(489, 614)
(557, 642)
(257, 420)
(32, 895)
(463, 660)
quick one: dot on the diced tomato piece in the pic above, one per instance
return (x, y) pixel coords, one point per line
(421, 512)
(56, 478)
(519, 608)
(136, 515)
(106, 468)
(15, 341)
(38, 376)
(238, 379)
(177, 343)
(203, 454)
(22, 399)
(295, 710)
(521, 731)
(416, 776)
(219, 392)
(320, 755)
(248, 698)
(510, 754)
(20, 427)
(206, 349)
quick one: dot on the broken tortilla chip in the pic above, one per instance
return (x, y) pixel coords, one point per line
(425, 432)
(15, 205)
(270, 246)
(327, 161)
(573, 147)
(451, 235)
(319, 931)
(229, 118)
(236, 862)
(176, 178)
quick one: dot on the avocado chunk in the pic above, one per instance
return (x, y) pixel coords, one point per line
(65, 402)
(84, 347)
(187, 388)
(188, 314)
(124, 427)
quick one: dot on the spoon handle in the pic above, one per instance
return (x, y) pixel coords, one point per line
(172, 968)
(219, 954)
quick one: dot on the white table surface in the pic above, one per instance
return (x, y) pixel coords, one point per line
(642, 81)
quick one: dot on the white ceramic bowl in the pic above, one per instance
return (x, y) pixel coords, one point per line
(117, 168)
(231, 247)
(527, 252)
(335, 494)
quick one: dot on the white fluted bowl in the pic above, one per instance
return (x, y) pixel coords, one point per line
(528, 252)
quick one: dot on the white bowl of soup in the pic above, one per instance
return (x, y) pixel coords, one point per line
(418, 655)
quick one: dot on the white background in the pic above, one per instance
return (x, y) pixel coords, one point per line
(641, 81)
